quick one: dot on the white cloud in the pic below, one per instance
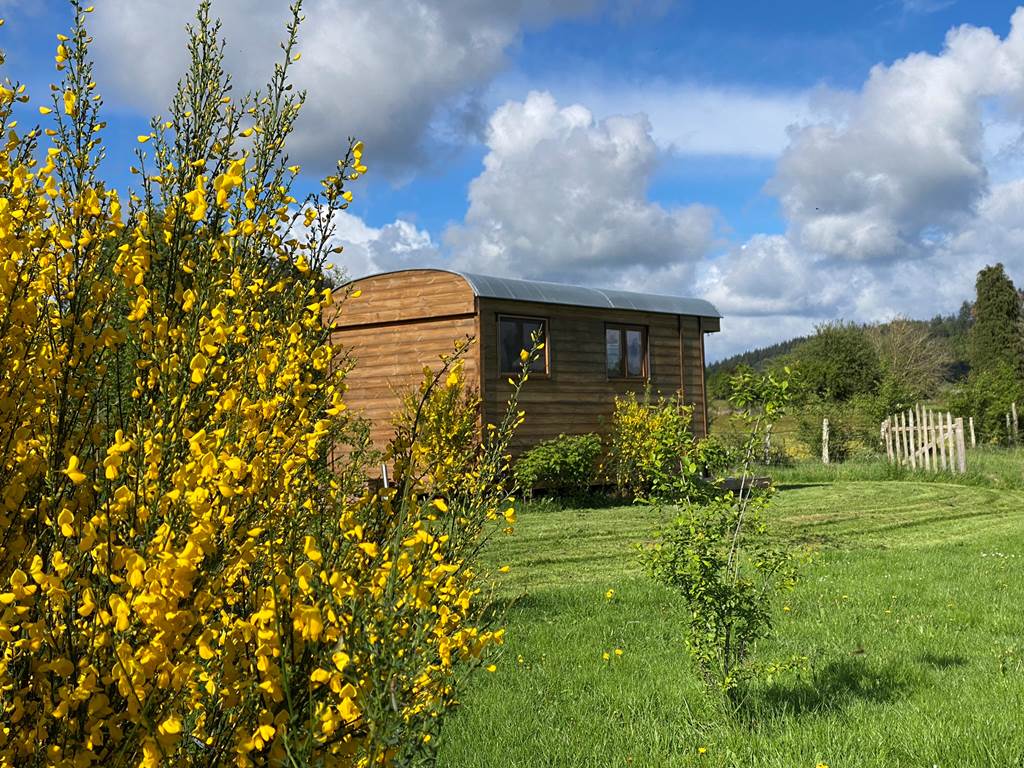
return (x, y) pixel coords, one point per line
(905, 165)
(894, 202)
(564, 197)
(397, 245)
(383, 70)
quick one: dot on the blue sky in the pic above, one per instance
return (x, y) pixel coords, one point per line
(794, 162)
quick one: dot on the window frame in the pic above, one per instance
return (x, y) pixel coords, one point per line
(546, 357)
(624, 374)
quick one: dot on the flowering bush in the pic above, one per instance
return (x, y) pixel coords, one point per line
(652, 451)
(191, 572)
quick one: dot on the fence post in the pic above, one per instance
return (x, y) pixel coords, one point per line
(973, 444)
(949, 440)
(962, 459)
(912, 438)
(942, 440)
(887, 437)
(901, 452)
(922, 431)
(905, 422)
(1013, 410)
(1007, 429)
(931, 452)
(949, 424)
(824, 440)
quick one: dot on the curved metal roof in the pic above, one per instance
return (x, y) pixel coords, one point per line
(512, 289)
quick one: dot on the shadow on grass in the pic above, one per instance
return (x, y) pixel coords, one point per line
(597, 499)
(942, 660)
(829, 689)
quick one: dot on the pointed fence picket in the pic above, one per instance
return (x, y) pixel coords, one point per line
(925, 439)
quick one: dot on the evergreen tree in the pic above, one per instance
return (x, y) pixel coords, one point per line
(996, 337)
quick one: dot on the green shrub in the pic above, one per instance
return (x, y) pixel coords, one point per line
(565, 466)
(987, 396)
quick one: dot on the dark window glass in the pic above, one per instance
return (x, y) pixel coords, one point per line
(516, 334)
(613, 346)
(626, 352)
(634, 352)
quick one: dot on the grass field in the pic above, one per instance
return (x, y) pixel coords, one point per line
(909, 613)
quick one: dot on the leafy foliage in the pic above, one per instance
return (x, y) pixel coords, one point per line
(838, 362)
(840, 428)
(914, 362)
(191, 570)
(987, 396)
(652, 453)
(718, 557)
(564, 466)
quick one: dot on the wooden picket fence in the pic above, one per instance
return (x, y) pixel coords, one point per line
(925, 439)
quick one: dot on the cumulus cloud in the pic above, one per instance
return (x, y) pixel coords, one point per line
(367, 249)
(905, 164)
(564, 197)
(384, 70)
(769, 288)
(892, 202)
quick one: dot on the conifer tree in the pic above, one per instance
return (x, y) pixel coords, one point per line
(996, 338)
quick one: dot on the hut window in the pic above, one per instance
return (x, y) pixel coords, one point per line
(516, 334)
(626, 348)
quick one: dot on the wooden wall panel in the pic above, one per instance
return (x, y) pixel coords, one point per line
(389, 361)
(692, 343)
(577, 395)
(400, 297)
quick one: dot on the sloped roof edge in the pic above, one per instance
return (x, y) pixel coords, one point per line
(513, 289)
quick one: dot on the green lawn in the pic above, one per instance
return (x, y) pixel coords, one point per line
(910, 613)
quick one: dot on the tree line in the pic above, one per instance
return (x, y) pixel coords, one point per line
(970, 362)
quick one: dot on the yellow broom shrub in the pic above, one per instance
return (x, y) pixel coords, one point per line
(190, 574)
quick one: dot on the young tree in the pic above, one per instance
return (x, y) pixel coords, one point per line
(996, 338)
(913, 361)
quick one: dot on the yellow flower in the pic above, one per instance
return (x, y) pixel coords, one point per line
(196, 200)
(70, 102)
(198, 366)
(72, 471)
(609, 594)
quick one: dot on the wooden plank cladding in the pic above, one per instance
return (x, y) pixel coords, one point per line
(577, 395)
(389, 361)
(404, 320)
(402, 296)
